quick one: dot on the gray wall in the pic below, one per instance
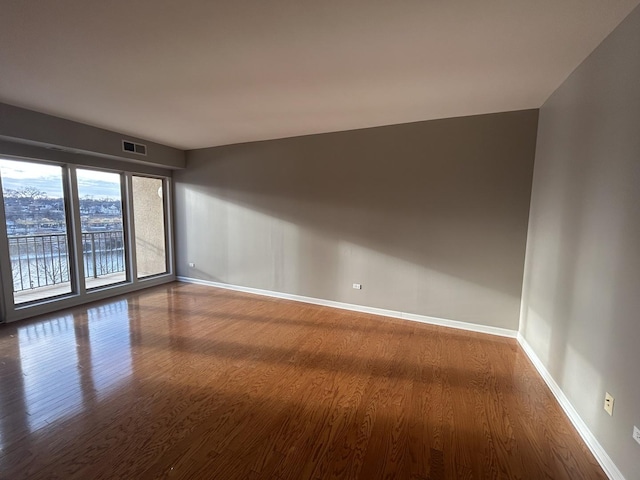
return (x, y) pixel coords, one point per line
(581, 294)
(430, 217)
(19, 125)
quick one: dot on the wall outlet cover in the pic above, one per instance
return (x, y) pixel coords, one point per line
(608, 403)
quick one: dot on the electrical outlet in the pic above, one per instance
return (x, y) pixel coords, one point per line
(191, 264)
(636, 434)
(608, 403)
(357, 286)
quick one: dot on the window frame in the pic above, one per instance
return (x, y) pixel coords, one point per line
(167, 195)
(79, 295)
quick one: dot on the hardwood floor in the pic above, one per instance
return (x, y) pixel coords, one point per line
(192, 382)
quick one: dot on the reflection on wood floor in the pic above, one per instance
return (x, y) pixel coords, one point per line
(186, 381)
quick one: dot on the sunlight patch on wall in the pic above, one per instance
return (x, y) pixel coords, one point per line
(240, 245)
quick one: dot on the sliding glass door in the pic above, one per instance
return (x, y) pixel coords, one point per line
(103, 241)
(37, 229)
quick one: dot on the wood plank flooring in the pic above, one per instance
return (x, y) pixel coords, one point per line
(192, 382)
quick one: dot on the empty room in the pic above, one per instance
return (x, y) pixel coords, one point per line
(320, 240)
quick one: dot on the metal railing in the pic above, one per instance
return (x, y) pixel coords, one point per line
(43, 260)
(103, 253)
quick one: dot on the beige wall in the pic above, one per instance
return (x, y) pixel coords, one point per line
(581, 295)
(430, 217)
(148, 217)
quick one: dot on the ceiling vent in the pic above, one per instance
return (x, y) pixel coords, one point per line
(131, 147)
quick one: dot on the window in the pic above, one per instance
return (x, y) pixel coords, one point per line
(36, 227)
(103, 242)
(148, 218)
(72, 233)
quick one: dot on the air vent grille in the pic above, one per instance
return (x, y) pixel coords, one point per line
(132, 147)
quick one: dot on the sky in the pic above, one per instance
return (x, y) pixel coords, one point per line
(48, 178)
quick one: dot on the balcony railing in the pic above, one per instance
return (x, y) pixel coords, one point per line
(43, 260)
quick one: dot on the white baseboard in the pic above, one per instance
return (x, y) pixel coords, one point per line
(472, 327)
(589, 438)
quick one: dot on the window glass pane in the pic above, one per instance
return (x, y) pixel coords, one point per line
(148, 217)
(37, 229)
(103, 245)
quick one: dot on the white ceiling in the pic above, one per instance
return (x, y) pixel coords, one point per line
(197, 73)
